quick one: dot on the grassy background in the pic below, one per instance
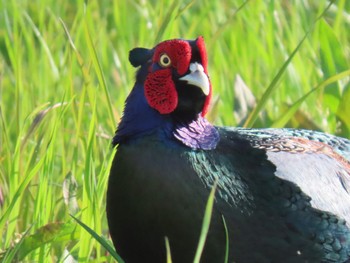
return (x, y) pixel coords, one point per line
(64, 76)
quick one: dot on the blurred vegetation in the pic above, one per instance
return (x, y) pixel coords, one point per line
(64, 76)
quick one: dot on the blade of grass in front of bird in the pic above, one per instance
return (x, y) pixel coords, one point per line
(100, 240)
(227, 249)
(273, 85)
(206, 224)
(168, 251)
(286, 116)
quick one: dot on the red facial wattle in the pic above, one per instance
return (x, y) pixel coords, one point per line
(203, 54)
(160, 91)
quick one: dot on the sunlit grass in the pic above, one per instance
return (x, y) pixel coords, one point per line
(64, 76)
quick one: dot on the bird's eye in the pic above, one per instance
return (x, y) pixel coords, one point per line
(164, 61)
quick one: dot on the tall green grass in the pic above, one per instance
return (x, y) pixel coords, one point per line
(64, 76)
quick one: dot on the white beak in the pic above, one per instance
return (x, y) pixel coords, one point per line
(198, 78)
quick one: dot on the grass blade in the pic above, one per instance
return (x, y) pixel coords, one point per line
(273, 85)
(286, 116)
(206, 224)
(98, 69)
(59, 233)
(54, 68)
(20, 190)
(100, 240)
(222, 28)
(171, 14)
(168, 252)
(9, 255)
(227, 248)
